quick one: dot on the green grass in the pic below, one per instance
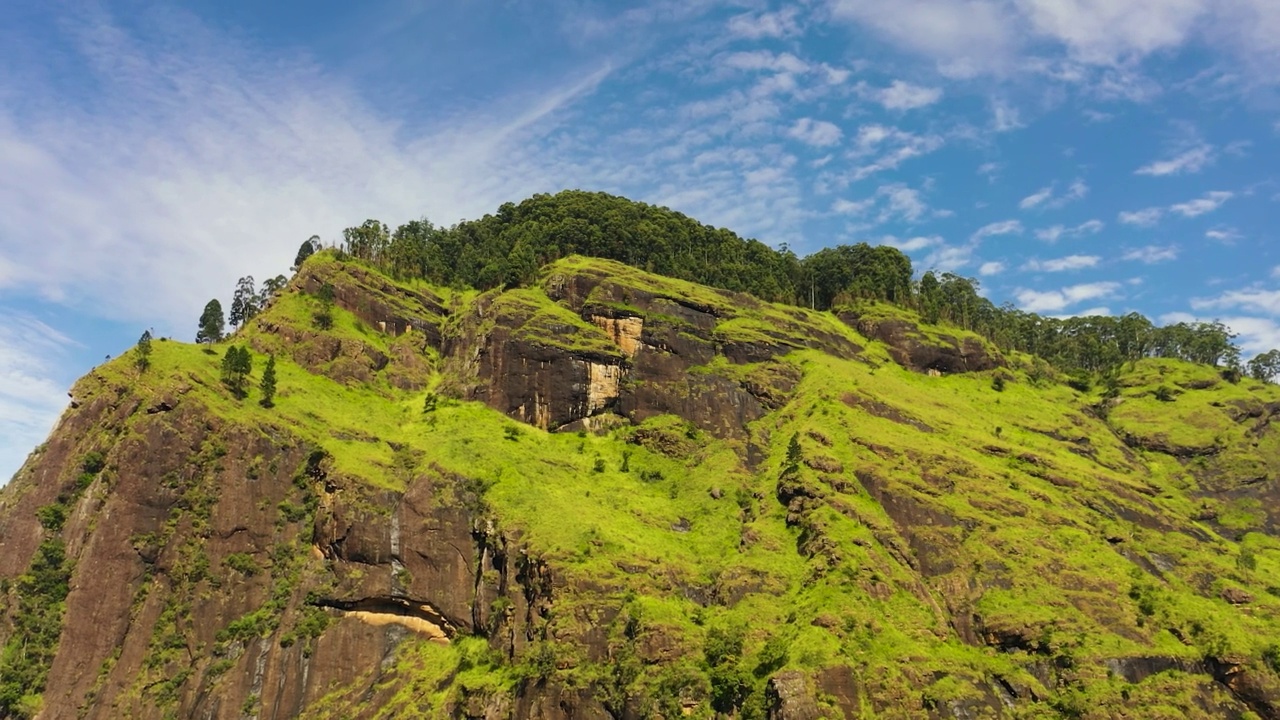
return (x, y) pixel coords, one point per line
(1022, 507)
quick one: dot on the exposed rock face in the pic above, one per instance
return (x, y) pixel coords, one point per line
(224, 567)
(913, 349)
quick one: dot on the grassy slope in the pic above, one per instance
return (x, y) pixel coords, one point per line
(1043, 527)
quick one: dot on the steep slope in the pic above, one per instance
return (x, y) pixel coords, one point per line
(612, 494)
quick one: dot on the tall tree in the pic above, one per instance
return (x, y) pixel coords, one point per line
(212, 323)
(244, 304)
(1265, 367)
(270, 288)
(142, 351)
(268, 384)
(368, 241)
(308, 248)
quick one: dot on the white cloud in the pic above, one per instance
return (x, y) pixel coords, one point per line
(1250, 299)
(1255, 334)
(1094, 312)
(193, 162)
(964, 37)
(1006, 227)
(1057, 300)
(852, 207)
(888, 147)
(1142, 218)
(1192, 160)
(1275, 272)
(914, 244)
(1056, 232)
(905, 96)
(30, 400)
(903, 202)
(1005, 118)
(1207, 204)
(1152, 254)
(758, 60)
(1102, 38)
(990, 171)
(1036, 199)
(818, 133)
(949, 258)
(988, 269)
(1226, 236)
(754, 26)
(1063, 264)
(1078, 190)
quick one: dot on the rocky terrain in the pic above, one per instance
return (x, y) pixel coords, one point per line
(610, 494)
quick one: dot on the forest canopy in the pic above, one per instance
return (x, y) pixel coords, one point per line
(507, 249)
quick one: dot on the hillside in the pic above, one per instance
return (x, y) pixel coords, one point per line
(613, 494)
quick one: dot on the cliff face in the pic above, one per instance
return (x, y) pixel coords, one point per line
(615, 495)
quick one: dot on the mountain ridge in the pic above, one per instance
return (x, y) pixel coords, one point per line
(749, 509)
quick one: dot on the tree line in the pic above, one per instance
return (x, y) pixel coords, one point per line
(507, 248)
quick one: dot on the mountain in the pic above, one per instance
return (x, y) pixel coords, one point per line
(606, 493)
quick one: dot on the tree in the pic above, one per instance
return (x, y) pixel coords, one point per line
(268, 384)
(142, 351)
(1266, 366)
(244, 304)
(236, 366)
(368, 241)
(309, 248)
(211, 323)
(323, 318)
(270, 288)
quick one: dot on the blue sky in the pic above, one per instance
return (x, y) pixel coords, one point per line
(1077, 156)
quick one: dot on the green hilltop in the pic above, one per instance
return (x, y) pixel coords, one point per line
(601, 490)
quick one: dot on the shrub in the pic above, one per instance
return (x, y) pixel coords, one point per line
(997, 383)
(1164, 394)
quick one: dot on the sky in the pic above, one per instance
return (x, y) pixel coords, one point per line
(1075, 156)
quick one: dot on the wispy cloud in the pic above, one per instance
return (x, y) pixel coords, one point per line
(1036, 199)
(1058, 300)
(30, 400)
(1200, 206)
(1055, 233)
(1049, 198)
(1063, 264)
(902, 95)
(1152, 254)
(1189, 161)
(1255, 299)
(1006, 227)
(818, 133)
(987, 269)
(1142, 218)
(166, 181)
(754, 26)
(915, 244)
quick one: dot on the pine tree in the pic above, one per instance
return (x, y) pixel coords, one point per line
(212, 323)
(268, 384)
(794, 453)
(237, 364)
(142, 352)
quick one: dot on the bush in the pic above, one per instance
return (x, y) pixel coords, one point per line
(93, 462)
(997, 383)
(52, 517)
(1164, 393)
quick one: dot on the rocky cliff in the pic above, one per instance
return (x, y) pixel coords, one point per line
(617, 495)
